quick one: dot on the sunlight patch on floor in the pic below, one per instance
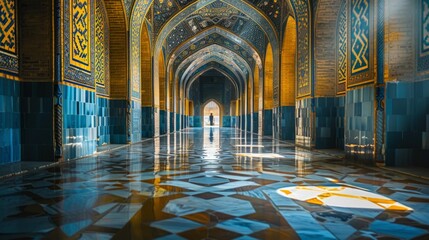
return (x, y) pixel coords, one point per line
(343, 197)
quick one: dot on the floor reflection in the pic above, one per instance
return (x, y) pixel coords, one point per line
(213, 183)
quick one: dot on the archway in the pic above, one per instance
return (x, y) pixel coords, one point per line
(212, 107)
(146, 83)
(268, 92)
(288, 80)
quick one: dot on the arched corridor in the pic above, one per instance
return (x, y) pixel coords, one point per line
(320, 119)
(212, 109)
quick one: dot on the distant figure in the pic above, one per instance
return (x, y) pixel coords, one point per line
(211, 119)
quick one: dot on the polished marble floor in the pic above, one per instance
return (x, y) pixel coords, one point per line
(213, 183)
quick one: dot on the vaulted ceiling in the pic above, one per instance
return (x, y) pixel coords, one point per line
(195, 35)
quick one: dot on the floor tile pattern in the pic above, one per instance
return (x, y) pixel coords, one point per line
(213, 183)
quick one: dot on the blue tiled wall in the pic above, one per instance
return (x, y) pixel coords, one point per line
(233, 121)
(325, 122)
(191, 121)
(10, 131)
(171, 114)
(303, 122)
(407, 123)
(359, 131)
(177, 122)
(268, 122)
(339, 121)
(118, 121)
(185, 121)
(37, 121)
(248, 122)
(147, 122)
(287, 114)
(103, 114)
(162, 122)
(79, 122)
(226, 121)
(197, 121)
(243, 122)
(136, 128)
(255, 122)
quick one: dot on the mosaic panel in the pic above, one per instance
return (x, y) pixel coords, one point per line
(342, 49)
(423, 59)
(217, 13)
(179, 34)
(102, 76)
(99, 46)
(224, 15)
(380, 90)
(301, 10)
(184, 2)
(360, 42)
(7, 26)
(238, 68)
(255, 35)
(149, 15)
(139, 13)
(214, 65)
(425, 26)
(214, 39)
(79, 23)
(8, 43)
(128, 4)
(162, 10)
(80, 34)
(272, 8)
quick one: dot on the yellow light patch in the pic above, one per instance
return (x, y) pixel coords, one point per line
(342, 196)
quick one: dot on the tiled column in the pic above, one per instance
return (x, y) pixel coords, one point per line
(359, 125)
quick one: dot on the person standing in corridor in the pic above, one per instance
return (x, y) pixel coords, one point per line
(211, 119)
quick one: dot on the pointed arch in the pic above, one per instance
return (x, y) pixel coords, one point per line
(219, 105)
(268, 79)
(146, 69)
(325, 23)
(288, 63)
(118, 48)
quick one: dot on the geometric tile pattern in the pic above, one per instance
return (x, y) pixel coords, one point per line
(78, 41)
(218, 39)
(360, 36)
(80, 34)
(163, 9)
(217, 14)
(139, 12)
(302, 13)
(273, 10)
(7, 26)
(423, 55)
(342, 49)
(153, 190)
(8, 42)
(100, 73)
(360, 49)
(425, 26)
(128, 4)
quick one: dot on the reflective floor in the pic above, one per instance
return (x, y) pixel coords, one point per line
(213, 183)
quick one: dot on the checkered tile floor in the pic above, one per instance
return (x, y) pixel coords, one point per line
(213, 183)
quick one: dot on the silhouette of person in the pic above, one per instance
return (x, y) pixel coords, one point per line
(211, 119)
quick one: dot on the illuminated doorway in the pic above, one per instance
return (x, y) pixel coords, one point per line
(212, 108)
